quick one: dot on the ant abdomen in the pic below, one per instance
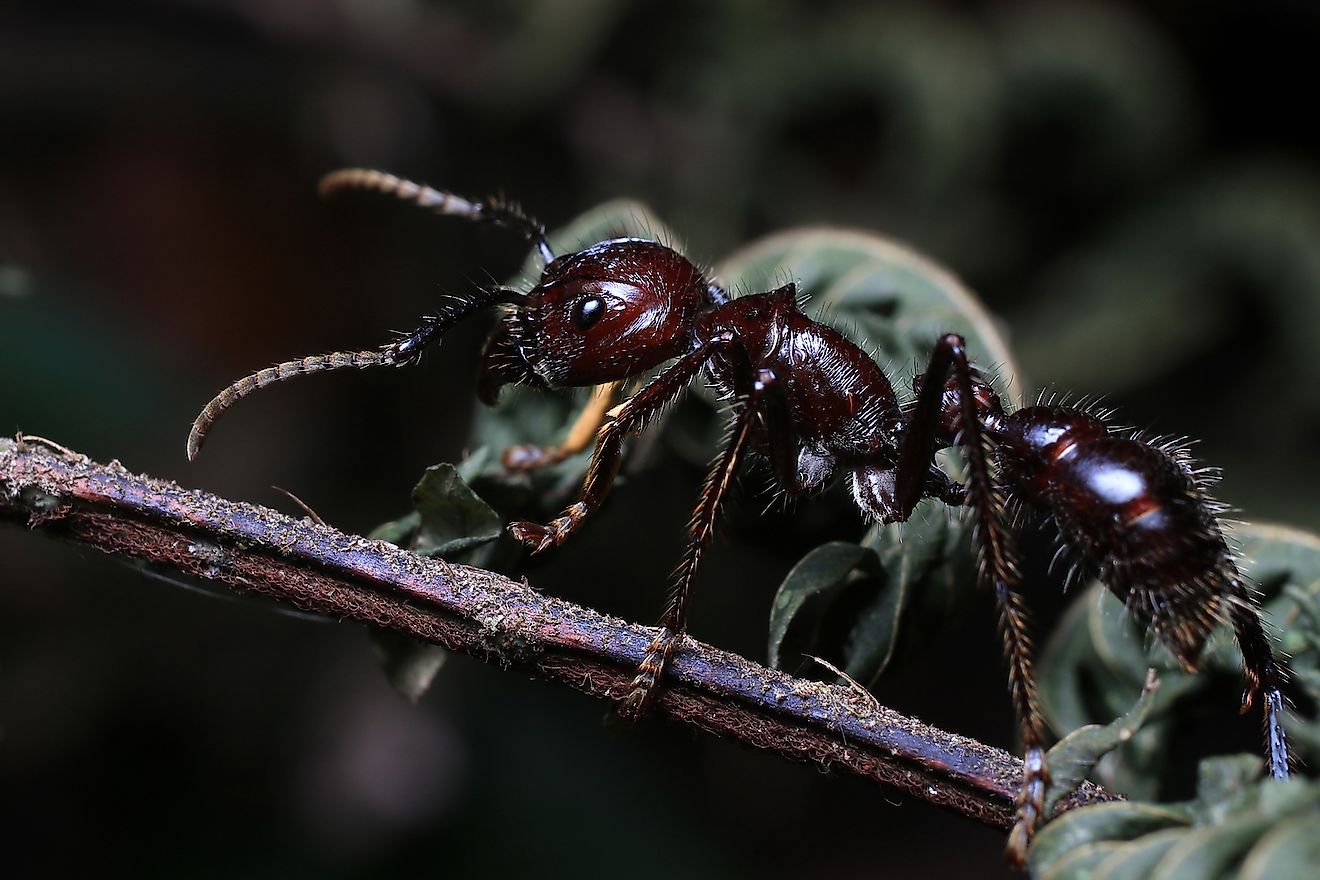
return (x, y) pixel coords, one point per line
(1132, 512)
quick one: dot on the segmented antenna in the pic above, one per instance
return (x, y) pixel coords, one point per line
(316, 363)
(497, 211)
(407, 349)
(390, 185)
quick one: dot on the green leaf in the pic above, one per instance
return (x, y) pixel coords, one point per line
(1236, 819)
(1227, 779)
(1079, 863)
(409, 664)
(1135, 860)
(926, 558)
(1101, 822)
(1208, 853)
(821, 572)
(398, 532)
(452, 517)
(1097, 656)
(1063, 701)
(886, 296)
(1071, 759)
(1290, 850)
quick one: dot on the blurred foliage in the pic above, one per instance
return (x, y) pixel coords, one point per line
(1073, 757)
(1097, 658)
(1133, 185)
(1237, 826)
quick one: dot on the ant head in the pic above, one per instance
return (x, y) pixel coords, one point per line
(608, 312)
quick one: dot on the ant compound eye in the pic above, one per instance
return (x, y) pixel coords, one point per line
(587, 312)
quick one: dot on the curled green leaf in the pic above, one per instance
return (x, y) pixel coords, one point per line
(1079, 863)
(821, 572)
(453, 517)
(409, 664)
(1102, 822)
(1291, 849)
(448, 517)
(1237, 819)
(925, 561)
(1135, 859)
(1093, 664)
(1071, 759)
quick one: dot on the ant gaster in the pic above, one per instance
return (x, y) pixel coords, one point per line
(817, 407)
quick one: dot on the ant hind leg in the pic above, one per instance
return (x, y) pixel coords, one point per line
(997, 558)
(1265, 677)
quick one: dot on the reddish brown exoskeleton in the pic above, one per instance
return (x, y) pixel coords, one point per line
(818, 408)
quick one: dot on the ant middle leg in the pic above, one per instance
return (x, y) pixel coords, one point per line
(530, 457)
(673, 623)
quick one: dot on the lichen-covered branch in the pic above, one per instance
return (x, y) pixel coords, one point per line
(483, 614)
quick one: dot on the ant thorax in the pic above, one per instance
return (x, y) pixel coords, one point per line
(840, 403)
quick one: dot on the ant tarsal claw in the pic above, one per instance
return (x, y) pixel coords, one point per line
(652, 668)
(540, 538)
(1030, 806)
(527, 457)
(534, 536)
(636, 704)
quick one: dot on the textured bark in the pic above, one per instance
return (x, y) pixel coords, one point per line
(486, 615)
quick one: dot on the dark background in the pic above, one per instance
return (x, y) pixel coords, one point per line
(1133, 187)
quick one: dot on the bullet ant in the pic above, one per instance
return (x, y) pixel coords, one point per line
(817, 407)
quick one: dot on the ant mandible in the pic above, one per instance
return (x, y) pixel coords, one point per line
(816, 406)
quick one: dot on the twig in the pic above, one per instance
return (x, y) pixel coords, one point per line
(477, 612)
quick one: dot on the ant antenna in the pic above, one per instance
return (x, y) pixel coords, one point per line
(316, 363)
(497, 211)
(404, 351)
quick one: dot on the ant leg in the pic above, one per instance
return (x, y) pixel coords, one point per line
(673, 623)
(632, 417)
(496, 210)
(997, 560)
(1264, 675)
(403, 351)
(529, 457)
(917, 452)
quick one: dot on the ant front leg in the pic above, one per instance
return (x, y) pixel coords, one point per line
(632, 417)
(997, 557)
(530, 457)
